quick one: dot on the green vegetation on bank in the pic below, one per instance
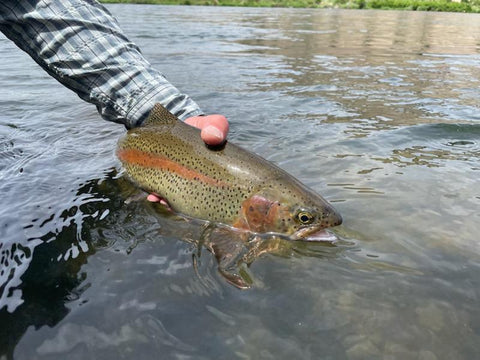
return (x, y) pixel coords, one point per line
(420, 5)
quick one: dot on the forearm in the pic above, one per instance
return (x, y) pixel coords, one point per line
(80, 44)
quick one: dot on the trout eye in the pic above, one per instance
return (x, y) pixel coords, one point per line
(305, 217)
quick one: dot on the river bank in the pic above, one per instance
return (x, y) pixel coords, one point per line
(472, 6)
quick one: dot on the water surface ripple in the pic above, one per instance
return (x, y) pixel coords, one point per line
(376, 110)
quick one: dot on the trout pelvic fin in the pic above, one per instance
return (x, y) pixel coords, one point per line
(161, 116)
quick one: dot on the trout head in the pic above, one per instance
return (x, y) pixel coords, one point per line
(295, 211)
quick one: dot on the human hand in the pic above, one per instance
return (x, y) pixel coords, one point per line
(214, 132)
(214, 128)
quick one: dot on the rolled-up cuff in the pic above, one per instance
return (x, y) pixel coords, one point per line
(170, 97)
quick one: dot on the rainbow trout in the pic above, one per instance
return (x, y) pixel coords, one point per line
(228, 185)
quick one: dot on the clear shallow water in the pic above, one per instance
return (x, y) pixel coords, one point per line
(377, 111)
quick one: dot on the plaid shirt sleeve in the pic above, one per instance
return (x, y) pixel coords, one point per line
(80, 44)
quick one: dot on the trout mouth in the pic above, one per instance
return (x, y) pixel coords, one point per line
(321, 236)
(314, 234)
(305, 232)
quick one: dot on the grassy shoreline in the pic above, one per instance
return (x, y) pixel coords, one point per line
(470, 6)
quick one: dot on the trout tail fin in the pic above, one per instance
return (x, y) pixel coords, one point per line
(160, 116)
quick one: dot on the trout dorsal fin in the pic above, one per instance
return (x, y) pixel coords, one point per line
(161, 116)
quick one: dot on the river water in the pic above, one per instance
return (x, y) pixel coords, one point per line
(376, 110)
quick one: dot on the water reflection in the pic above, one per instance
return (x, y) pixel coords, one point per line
(47, 275)
(372, 74)
(433, 145)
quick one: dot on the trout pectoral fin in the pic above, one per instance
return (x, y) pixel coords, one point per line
(230, 248)
(240, 279)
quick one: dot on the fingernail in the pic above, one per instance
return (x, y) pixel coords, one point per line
(213, 131)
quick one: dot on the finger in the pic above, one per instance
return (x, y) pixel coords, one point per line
(156, 198)
(214, 128)
(153, 198)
